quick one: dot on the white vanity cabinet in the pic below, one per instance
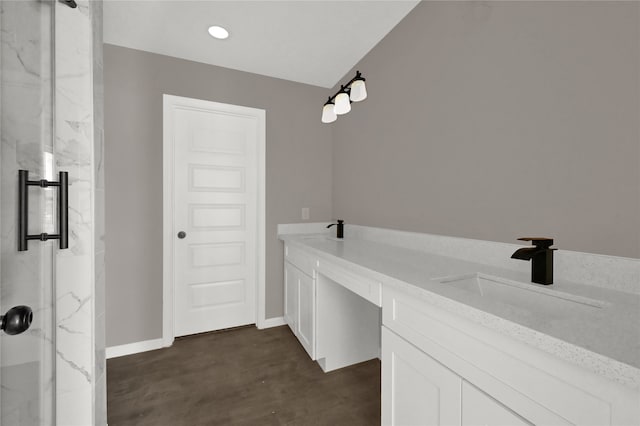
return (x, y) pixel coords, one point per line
(299, 296)
(443, 362)
(434, 362)
(418, 390)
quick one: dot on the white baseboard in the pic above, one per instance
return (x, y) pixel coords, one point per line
(150, 345)
(134, 348)
(272, 322)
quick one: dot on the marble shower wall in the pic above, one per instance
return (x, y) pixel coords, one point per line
(26, 360)
(31, 31)
(80, 381)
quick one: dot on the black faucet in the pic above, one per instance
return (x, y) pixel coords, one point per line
(541, 257)
(339, 228)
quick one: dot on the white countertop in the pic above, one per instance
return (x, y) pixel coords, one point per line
(603, 340)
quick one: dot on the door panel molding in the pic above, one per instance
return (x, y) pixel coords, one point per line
(170, 104)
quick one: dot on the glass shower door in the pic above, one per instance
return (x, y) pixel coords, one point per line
(27, 386)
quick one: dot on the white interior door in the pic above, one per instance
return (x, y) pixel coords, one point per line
(215, 202)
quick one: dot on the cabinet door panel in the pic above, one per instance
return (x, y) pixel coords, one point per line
(416, 389)
(478, 409)
(306, 313)
(291, 296)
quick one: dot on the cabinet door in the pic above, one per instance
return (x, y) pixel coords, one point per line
(416, 389)
(291, 296)
(478, 408)
(306, 313)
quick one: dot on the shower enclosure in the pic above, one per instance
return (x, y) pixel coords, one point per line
(27, 367)
(50, 122)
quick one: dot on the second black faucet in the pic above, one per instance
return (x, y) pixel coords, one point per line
(339, 228)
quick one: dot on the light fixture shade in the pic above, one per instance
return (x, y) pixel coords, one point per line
(343, 105)
(328, 113)
(358, 91)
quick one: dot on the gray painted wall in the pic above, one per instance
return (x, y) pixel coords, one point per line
(298, 173)
(488, 120)
(497, 120)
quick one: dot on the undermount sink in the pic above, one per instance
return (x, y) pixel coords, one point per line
(523, 295)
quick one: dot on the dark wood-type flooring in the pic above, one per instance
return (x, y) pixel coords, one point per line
(242, 376)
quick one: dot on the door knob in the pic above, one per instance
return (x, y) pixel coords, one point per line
(182, 234)
(17, 320)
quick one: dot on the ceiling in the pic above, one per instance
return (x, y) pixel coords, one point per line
(313, 42)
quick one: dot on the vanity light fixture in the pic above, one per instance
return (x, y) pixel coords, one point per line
(218, 32)
(340, 103)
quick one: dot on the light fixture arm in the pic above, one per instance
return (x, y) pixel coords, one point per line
(346, 88)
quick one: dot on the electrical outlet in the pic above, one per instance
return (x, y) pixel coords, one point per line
(305, 213)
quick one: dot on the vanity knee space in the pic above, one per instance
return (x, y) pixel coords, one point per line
(334, 313)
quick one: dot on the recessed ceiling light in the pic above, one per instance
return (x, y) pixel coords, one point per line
(218, 32)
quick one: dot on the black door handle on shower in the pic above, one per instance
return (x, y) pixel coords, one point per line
(23, 206)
